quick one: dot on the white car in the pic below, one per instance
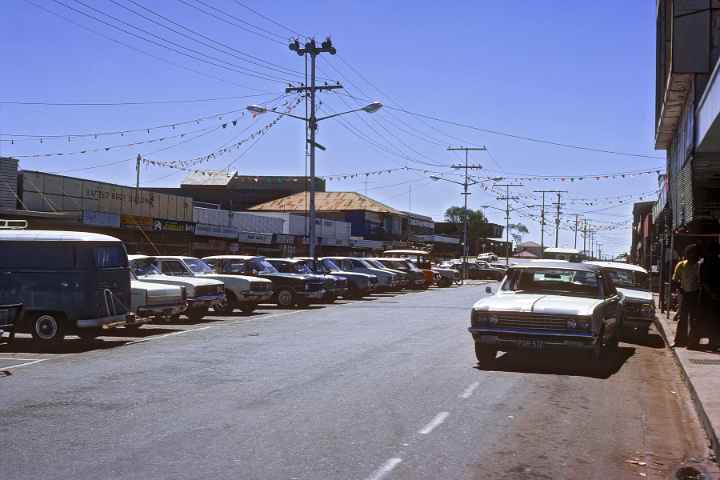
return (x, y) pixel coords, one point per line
(153, 300)
(243, 292)
(545, 305)
(201, 293)
(633, 282)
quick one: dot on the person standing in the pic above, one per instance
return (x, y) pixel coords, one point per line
(687, 275)
(710, 293)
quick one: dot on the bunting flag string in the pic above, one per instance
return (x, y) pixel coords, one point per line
(230, 123)
(191, 162)
(70, 137)
(575, 178)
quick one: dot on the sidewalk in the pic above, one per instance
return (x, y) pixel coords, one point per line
(702, 375)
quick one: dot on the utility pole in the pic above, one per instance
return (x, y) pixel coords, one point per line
(542, 216)
(557, 217)
(310, 48)
(465, 193)
(585, 234)
(507, 199)
(137, 178)
(577, 219)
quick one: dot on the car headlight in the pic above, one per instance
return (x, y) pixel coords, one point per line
(493, 319)
(476, 318)
(189, 291)
(572, 324)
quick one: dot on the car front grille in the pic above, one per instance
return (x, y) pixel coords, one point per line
(259, 286)
(208, 290)
(532, 321)
(164, 300)
(315, 286)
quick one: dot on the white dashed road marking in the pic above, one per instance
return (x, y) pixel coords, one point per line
(30, 362)
(469, 390)
(434, 423)
(384, 469)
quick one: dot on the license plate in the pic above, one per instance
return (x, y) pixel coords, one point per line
(531, 344)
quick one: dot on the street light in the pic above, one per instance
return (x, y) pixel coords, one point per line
(312, 126)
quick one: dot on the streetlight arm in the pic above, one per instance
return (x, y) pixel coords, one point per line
(338, 114)
(289, 115)
(446, 180)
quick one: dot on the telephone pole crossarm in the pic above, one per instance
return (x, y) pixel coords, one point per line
(507, 199)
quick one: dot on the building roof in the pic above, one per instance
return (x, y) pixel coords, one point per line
(526, 254)
(326, 202)
(218, 178)
(529, 243)
(571, 251)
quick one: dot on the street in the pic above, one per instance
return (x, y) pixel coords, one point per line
(381, 388)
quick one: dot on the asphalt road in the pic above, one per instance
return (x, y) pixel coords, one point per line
(382, 388)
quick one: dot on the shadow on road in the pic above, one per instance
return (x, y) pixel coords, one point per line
(575, 364)
(70, 345)
(651, 340)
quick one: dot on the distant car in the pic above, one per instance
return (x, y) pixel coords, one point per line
(359, 284)
(154, 301)
(289, 289)
(403, 277)
(542, 306)
(386, 279)
(415, 275)
(335, 285)
(633, 282)
(201, 293)
(241, 292)
(483, 271)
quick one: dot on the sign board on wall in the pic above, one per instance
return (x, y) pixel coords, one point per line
(101, 219)
(252, 237)
(47, 192)
(206, 230)
(134, 221)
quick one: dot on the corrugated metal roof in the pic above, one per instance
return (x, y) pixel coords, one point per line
(327, 202)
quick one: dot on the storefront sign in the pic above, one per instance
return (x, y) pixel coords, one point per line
(100, 219)
(171, 226)
(252, 237)
(284, 239)
(135, 221)
(206, 230)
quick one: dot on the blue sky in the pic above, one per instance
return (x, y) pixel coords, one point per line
(569, 71)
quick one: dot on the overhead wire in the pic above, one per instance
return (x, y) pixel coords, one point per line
(129, 103)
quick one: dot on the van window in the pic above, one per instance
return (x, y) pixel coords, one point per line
(37, 256)
(110, 256)
(173, 267)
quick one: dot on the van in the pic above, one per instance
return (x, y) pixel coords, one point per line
(68, 282)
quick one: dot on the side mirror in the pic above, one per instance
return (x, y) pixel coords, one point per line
(488, 290)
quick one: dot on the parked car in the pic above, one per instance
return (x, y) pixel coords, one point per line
(483, 271)
(69, 282)
(488, 257)
(416, 277)
(633, 282)
(9, 317)
(420, 258)
(243, 292)
(547, 305)
(446, 276)
(201, 293)
(289, 289)
(359, 284)
(154, 301)
(403, 278)
(386, 280)
(335, 286)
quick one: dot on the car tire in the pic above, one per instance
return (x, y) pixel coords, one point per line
(329, 298)
(47, 329)
(197, 314)
(248, 308)
(485, 355)
(286, 298)
(228, 305)
(444, 282)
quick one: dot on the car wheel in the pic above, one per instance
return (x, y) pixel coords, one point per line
(47, 329)
(444, 282)
(227, 306)
(197, 314)
(286, 298)
(485, 355)
(247, 307)
(329, 298)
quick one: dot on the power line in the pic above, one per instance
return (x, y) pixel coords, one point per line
(255, 60)
(265, 17)
(128, 103)
(139, 50)
(203, 57)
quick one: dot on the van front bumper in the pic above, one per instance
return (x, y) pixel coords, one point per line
(205, 301)
(255, 297)
(146, 312)
(103, 322)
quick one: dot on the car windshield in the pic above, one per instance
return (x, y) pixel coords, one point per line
(301, 267)
(554, 282)
(376, 263)
(262, 266)
(143, 268)
(198, 266)
(330, 265)
(628, 278)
